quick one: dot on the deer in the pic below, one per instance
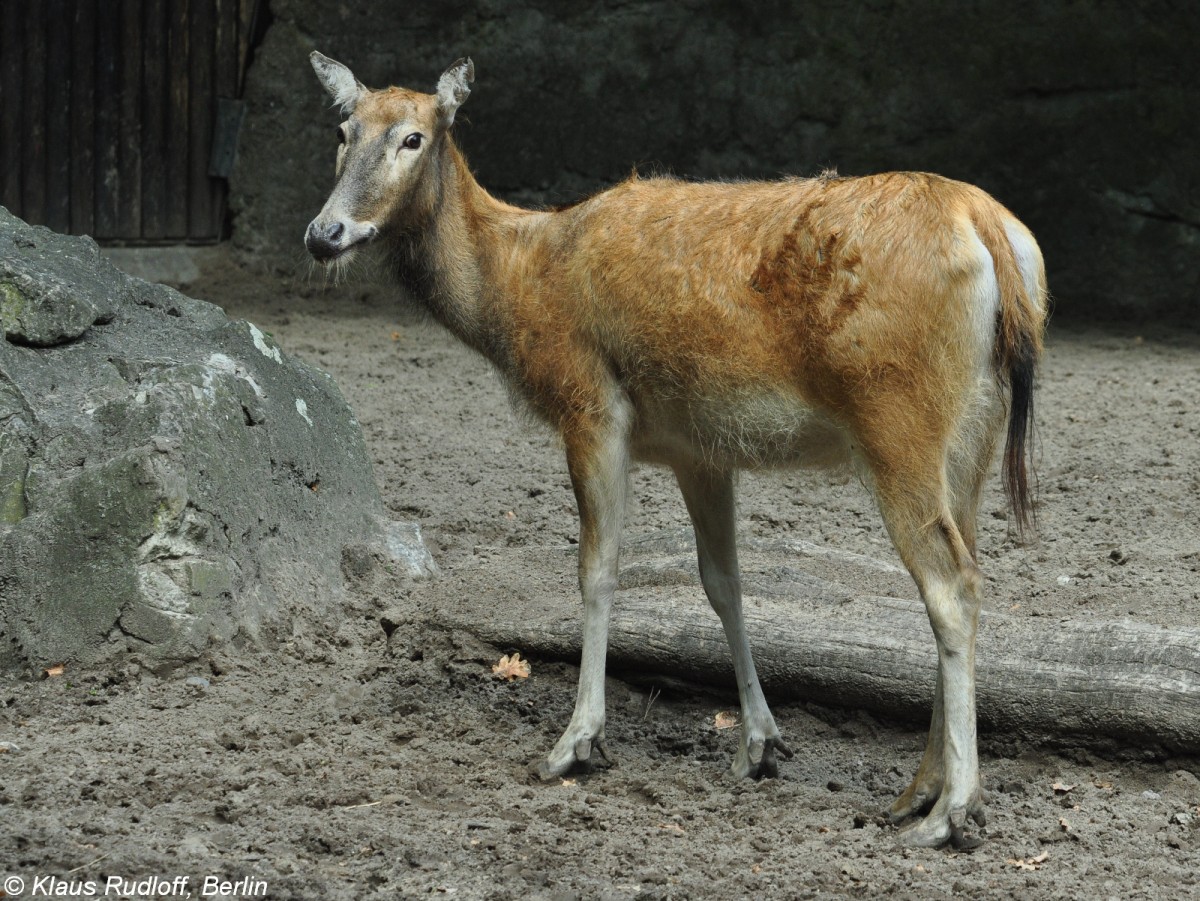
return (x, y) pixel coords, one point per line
(886, 324)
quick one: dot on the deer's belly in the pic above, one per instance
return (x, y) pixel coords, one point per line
(749, 431)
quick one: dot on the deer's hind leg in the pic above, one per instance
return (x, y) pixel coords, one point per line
(922, 793)
(709, 496)
(970, 457)
(916, 508)
(968, 463)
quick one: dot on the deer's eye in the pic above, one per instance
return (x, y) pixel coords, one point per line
(341, 134)
(413, 141)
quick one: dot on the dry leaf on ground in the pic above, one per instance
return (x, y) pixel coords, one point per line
(1030, 863)
(56, 670)
(511, 667)
(725, 720)
(1061, 789)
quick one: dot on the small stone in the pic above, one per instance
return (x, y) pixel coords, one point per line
(1179, 819)
(198, 682)
(1151, 795)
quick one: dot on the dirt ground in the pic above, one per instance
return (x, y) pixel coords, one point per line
(333, 768)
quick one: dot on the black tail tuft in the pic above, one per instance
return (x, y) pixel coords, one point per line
(1018, 449)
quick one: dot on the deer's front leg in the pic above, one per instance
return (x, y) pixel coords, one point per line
(598, 459)
(709, 496)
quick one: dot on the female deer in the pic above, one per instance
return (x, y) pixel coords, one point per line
(891, 322)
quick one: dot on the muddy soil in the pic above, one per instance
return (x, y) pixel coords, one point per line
(334, 767)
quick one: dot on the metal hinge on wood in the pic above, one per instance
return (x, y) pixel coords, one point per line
(230, 114)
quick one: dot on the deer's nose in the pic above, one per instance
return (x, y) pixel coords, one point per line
(327, 241)
(324, 239)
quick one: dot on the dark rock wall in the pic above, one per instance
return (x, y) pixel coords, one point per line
(1080, 116)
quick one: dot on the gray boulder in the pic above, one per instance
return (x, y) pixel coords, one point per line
(169, 477)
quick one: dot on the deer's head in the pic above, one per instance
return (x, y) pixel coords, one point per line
(386, 158)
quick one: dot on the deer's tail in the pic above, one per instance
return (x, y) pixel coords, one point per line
(1021, 278)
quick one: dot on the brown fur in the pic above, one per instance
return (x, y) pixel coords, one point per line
(821, 288)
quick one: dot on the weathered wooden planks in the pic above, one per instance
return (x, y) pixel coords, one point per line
(108, 111)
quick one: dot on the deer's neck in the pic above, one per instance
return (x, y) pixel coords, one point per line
(449, 265)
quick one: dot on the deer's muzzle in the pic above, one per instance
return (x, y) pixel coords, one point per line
(327, 241)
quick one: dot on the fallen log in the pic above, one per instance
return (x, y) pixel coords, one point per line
(813, 640)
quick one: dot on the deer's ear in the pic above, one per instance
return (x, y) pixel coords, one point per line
(453, 88)
(339, 81)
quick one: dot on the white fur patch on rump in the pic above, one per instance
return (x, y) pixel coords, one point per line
(985, 300)
(1029, 259)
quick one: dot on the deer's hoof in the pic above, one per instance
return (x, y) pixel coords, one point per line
(916, 800)
(940, 828)
(756, 759)
(584, 756)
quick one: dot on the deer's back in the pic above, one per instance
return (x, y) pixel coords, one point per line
(745, 281)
